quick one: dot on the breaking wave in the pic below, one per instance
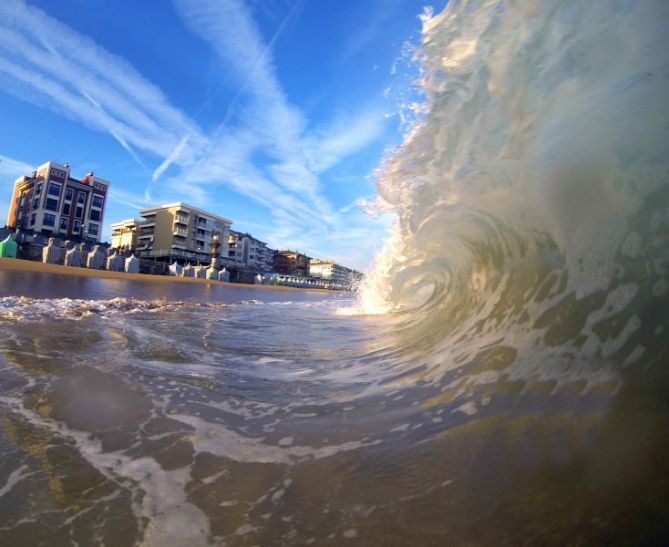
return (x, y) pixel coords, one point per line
(532, 198)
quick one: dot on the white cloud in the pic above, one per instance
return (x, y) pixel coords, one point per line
(288, 181)
(169, 160)
(13, 169)
(68, 73)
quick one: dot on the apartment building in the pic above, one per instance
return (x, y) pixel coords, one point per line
(291, 263)
(178, 231)
(329, 270)
(51, 202)
(124, 233)
(248, 252)
(338, 275)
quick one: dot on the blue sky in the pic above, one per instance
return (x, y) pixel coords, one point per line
(273, 113)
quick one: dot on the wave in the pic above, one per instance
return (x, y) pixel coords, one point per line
(532, 197)
(26, 309)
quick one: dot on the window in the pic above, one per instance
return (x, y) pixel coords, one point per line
(38, 189)
(49, 220)
(68, 194)
(51, 204)
(81, 198)
(79, 212)
(93, 229)
(97, 201)
(32, 218)
(200, 233)
(76, 226)
(94, 215)
(54, 189)
(64, 221)
(36, 203)
(66, 208)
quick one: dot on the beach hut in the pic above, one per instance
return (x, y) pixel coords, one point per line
(188, 271)
(73, 257)
(200, 271)
(212, 272)
(132, 264)
(224, 275)
(95, 259)
(51, 252)
(175, 268)
(8, 247)
(114, 262)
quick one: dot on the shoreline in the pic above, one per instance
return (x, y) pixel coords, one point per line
(17, 264)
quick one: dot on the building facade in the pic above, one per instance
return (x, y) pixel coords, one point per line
(124, 234)
(329, 270)
(248, 252)
(178, 231)
(291, 263)
(51, 202)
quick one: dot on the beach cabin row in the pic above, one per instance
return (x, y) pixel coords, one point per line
(96, 259)
(199, 271)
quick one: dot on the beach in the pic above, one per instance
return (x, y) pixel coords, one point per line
(17, 265)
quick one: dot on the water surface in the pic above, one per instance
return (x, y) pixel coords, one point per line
(501, 379)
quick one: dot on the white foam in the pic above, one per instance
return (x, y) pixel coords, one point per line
(23, 308)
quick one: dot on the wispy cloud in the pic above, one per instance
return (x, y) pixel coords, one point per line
(13, 169)
(379, 12)
(288, 181)
(70, 74)
(169, 160)
(265, 148)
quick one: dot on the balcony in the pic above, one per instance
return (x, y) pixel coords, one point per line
(183, 232)
(181, 219)
(145, 236)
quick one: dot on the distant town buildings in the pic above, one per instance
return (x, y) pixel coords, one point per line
(329, 270)
(51, 202)
(291, 263)
(58, 218)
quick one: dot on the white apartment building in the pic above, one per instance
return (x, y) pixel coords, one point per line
(329, 270)
(247, 252)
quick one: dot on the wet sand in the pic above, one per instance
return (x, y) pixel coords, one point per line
(12, 264)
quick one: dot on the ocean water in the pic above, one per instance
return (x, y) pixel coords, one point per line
(501, 379)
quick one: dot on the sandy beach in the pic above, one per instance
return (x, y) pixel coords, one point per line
(13, 264)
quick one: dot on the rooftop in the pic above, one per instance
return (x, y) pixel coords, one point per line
(184, 207)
